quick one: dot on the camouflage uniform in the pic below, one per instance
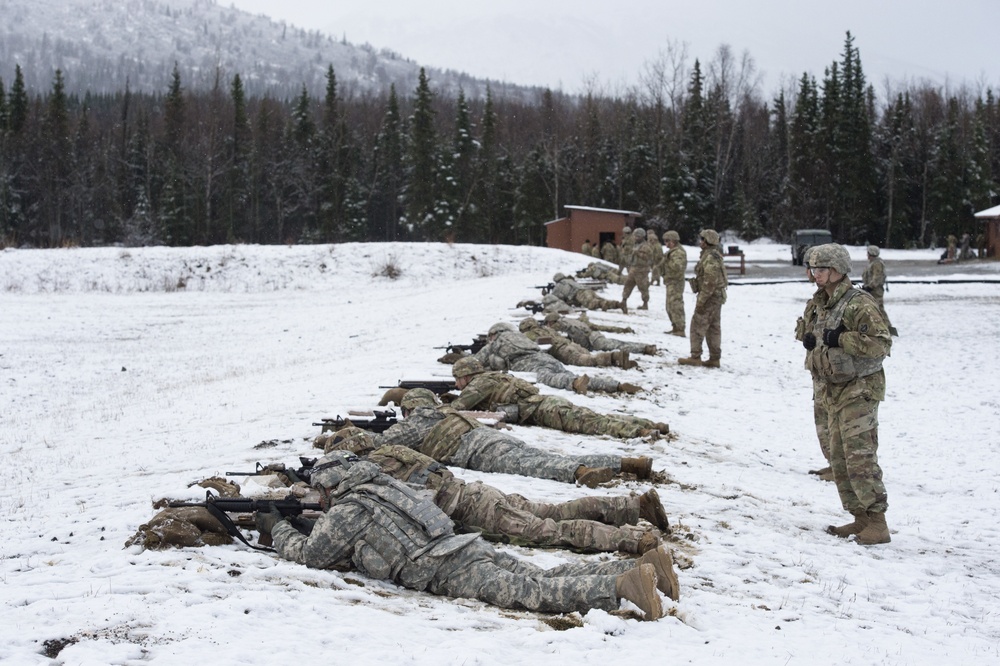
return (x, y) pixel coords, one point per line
(638, 269)
(567, 351)
(807, 322)
(873, 281)
(571, 293)
(599, 271)
(609, 253)
(588, 335)
(625, 249)
(595, 251)
(656, 274)
(453, 438)
(674, 266)
(388, 531)
(603, 524)
(851, 384)
(586, 248)
(521, 401)
(710, 283)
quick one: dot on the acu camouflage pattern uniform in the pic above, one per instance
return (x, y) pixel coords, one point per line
(821, 419)
(599, 271)
(512, 350)
(591, 336)
(594, 524)
(625, 249)
(523, 404)
(656, 273)
(710, 283)
(568, 351)
(674, 266)
(640, 264)
(389, 531)
(609, 253)
(570, 293)
(453, 438)
(852, 383)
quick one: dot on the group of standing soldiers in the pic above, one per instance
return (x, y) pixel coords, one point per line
(643, 259)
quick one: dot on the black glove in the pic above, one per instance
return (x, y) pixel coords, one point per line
(868, 289)
(266, 520)
(809, 341)
(831, 337)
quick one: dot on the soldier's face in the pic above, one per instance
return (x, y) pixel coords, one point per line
(825, 276)
(462, 382)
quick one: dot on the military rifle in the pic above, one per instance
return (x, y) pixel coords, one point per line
(294, 475)
(220, 506)
(546, 288)
(382, 420)
(477, 343)
(438, 386)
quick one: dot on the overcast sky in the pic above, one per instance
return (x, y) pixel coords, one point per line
(565, 43)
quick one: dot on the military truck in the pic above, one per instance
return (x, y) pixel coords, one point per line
(803, 239)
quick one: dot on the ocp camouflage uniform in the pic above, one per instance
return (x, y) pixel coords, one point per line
(625, 251)
(390, 532)
(609, 253)
(588, 335)
(710, 283)
(873, 281)
(674, 266)
(511, 350)
(524, 405)
(656, 273)
(595, 251)
(599, 271)
(603, 524)
(443, 434)
(638, 272)
(821, 419)
(851, 384)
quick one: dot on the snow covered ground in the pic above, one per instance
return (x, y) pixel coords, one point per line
(128, 374)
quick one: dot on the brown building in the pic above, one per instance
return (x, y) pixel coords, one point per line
(990, 219)
(598, 225)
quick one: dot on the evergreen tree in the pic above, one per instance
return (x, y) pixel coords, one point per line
(385, 192)
(421, 193)
(239, 177)
(18, 103)
(464, 179)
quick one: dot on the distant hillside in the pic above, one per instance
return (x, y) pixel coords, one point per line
(101, 44)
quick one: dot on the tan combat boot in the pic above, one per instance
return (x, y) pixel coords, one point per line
(624, 307)
(711, 363)
(844, 531)
(605, 359)
(639, 587)
(678, 332)
(642, 467)
(580, 384)
(666, 577)
(651, 509)
(875, 532)
(644, 306)
(631, 389)
(649, 350)
(593, 476)
(622, 359)
(647, 542)
(690, 360)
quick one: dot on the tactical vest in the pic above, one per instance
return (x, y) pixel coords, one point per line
(833, 364)
(406, 465)
(443, 439)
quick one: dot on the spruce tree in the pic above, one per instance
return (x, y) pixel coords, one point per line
(422, 161)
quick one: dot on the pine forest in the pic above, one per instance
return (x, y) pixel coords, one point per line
(693, 146)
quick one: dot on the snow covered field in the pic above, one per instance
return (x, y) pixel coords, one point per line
(128, 374)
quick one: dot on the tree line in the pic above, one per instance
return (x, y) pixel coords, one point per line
(691, 147)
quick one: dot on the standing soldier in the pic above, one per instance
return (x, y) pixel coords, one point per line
(657, 272)
(674, 265)
(847, 344)
(638, 269)
(609, 253)
(873, 281)
(586, 247)
(710, 283)
(625, 249)
(595, 251)
(821, 419)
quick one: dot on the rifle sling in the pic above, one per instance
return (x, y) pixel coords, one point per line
(230, 526)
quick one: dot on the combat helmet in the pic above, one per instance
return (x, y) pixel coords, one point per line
(464, 367)
(558, 277)
(418, 397)
(639, 234)
(672, 235)
(627, 230)
(501, 327)
(873, 250)
(527, 323)
(331, 469)
(710, 236)
(831, 255)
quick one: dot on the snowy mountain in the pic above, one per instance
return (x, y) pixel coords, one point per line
(102, 44)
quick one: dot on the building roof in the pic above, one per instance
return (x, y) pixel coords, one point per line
(984, 214)
(606, 210)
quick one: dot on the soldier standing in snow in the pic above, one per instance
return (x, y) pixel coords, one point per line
(674, 265)
(709, 282)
